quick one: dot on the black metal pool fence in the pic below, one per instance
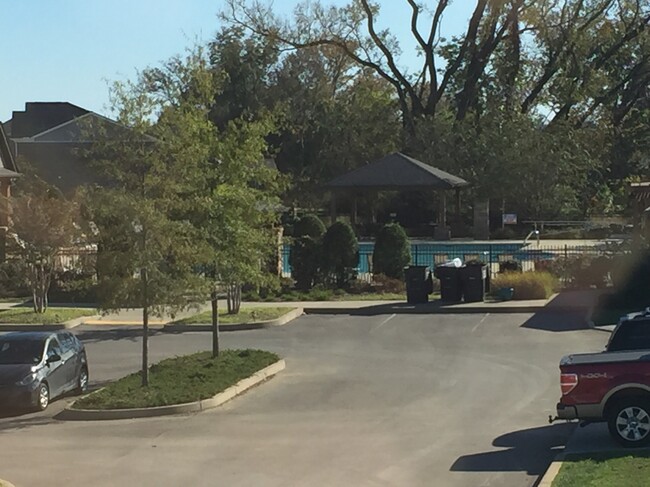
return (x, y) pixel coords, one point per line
(529, 257)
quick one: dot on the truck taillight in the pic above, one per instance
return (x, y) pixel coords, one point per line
(568, 382)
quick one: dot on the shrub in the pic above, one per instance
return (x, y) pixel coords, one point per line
(527, 285)
(340, 254)
(385, 284)
(509, 266)
(73, 287)
(360, 287)
(305, 251)
(13, 280)
(392, 251)
(320, 294)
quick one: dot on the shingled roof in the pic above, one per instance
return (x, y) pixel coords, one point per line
(7, 164)
(397, 172)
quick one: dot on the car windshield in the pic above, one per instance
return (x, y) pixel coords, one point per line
(21, 351)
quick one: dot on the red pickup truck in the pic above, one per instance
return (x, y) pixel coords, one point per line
(613, 385)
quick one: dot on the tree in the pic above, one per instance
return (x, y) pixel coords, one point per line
(568, 45)
(149, 253)
(325, 121)
(230, 193)
(392, 251)
(43, 225)
(305, 255)
(340, 254)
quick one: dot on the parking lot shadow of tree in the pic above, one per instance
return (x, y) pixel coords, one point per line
(557, 321)
(531, 451)
(131, 333)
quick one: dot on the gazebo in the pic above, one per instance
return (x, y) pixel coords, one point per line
(399, 172)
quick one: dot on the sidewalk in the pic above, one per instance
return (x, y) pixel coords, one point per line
(567, 301)
(570, 301)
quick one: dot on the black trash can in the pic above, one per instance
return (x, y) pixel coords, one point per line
(417, 285)
(474, 282)
(451, 286)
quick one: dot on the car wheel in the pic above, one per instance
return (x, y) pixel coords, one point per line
(82, 381)
(43, 397)
(629, 422)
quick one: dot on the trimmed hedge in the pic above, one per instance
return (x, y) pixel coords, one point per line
(305, 254)
(392, 251)
(340, 254)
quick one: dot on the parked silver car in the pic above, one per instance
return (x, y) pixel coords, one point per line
(36, 367)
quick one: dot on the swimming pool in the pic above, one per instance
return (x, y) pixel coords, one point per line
(432, 253)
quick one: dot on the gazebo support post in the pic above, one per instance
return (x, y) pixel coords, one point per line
(458, 222)
(442, 232)
(333, 207)
(353, 215)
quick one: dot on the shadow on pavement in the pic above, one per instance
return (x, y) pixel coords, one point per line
(531, 451)
(557, 321)
(105, 334)
(433, 307)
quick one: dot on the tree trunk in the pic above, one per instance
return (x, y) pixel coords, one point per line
(145, 329)
(229, 298)
(234, 298)
(237, 298)
(214, 297)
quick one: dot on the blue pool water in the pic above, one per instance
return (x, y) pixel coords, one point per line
(432, 253)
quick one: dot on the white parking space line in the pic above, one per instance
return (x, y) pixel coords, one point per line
(479, 323)
(384, 322)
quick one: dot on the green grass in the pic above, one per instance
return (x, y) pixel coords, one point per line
(245, 315)
(180, 380)
(605, 471)
(26, 315)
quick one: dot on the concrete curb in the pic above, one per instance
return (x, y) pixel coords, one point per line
(551, 472)
(80, 321)
(53, 327)
(192, 407)
(282, 320)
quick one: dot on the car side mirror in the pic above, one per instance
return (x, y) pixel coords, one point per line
(53, 358)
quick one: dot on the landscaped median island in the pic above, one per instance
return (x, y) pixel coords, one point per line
(51, 316)
(245, 315)
(602, 470)
(179, 380)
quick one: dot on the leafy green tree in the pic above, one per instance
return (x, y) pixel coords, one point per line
(230, 193)
(305, 255)
(340, 254)
(392, 251)
(42, 226)
(149, 253)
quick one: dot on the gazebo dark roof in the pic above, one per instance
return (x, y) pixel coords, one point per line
(397, 172)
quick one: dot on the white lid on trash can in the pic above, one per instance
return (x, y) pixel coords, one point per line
(453, 263)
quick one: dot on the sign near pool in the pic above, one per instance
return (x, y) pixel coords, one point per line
(509, 218)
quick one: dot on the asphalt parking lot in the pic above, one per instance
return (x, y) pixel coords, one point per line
(391, 400)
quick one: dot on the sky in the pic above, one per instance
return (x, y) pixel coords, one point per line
(69, 50)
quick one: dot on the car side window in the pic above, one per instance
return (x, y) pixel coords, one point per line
(67, 344)
(53, 348)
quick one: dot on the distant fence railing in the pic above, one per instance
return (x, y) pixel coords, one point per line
(529, 256)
